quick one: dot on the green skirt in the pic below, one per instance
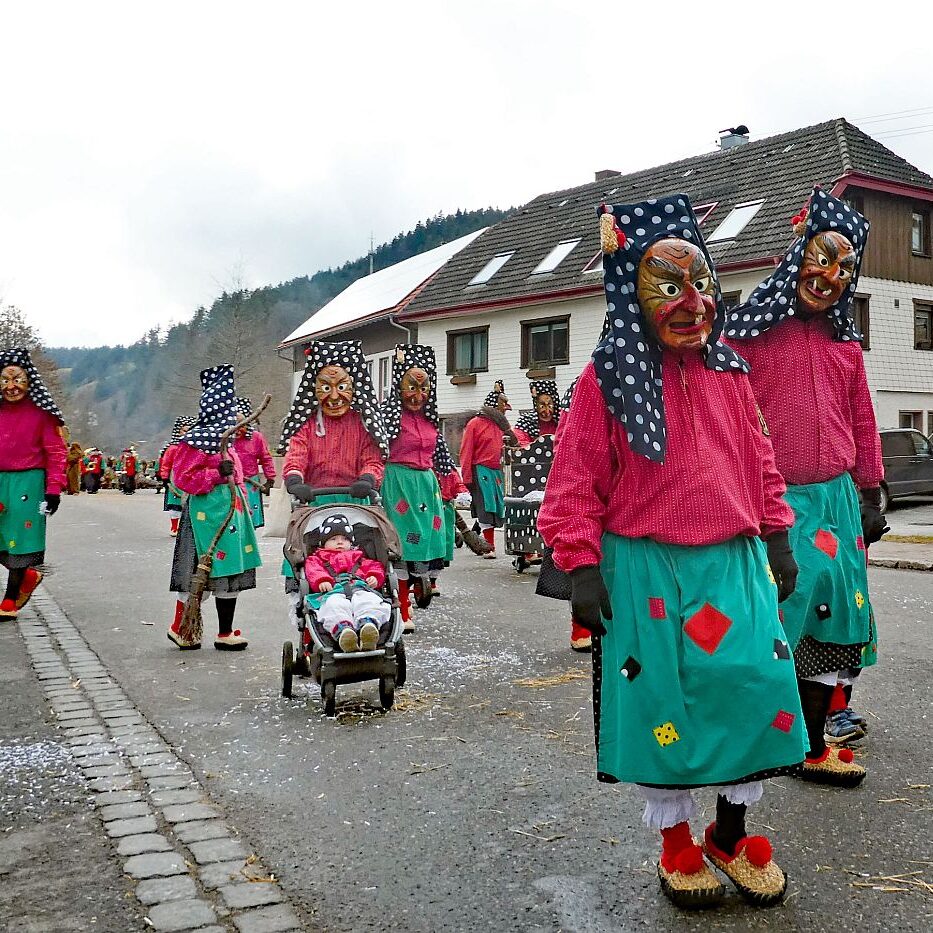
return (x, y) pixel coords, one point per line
(694, 683)
(450, 531)
(830, 603)
(254, 498)
(173, 499)
(412, 500)
(491, 485)
(22, 525)
(237, 550)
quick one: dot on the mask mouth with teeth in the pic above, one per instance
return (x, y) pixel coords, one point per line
(14, 384)
(333, 388)
(828, 267)
(415, 389)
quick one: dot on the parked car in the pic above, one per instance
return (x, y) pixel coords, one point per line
(908, 465)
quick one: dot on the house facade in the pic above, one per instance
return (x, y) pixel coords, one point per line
(524, 300)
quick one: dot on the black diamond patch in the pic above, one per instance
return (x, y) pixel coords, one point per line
(413, 537)
(781, 651)
(631, 669)
(823, 611)
(423, 507)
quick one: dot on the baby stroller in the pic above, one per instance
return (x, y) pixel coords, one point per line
(530, 470)
(318, 655)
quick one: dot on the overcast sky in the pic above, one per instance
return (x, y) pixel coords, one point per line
(149, 151)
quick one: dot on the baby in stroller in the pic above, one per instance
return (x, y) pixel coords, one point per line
(344, 588)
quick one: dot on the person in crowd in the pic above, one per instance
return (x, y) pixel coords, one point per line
(542, 420)
(258, 465)
(73, 470)
(173, 500)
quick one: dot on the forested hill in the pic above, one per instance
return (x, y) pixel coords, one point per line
(131, 394)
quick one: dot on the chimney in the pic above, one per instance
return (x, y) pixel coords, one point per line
(734, 136)
(605, 173)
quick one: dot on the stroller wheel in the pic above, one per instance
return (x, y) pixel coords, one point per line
(329, 696)
(423, 594)
(387, 691)
(401, 674)
(288, 663)
(520, 563)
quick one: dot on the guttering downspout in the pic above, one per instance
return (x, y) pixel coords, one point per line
(394, 323)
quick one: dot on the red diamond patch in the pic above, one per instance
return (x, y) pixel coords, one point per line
(221, 555)
(860, 543)
(784, 721)
(827, 542)
(656, 607)
(438, 523)
(27, 524)
(708, 628)
(402, 506)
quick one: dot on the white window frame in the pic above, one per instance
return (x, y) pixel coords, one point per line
(556, 256)
(491, 268)
(736, 221)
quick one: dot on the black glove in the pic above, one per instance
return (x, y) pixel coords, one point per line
(363, 486)
(52, 501)
(225, 468)
(783, 565)
(873, 522)
(589, 599)
(292, 480)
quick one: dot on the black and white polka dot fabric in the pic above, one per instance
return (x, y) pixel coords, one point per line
(492, 399)
(529, 422)
(244, 408)
(567, 397)
(775, 299)
(181, 425)
(216, 410)
(626, 359)
(349, 355)
(40, 395)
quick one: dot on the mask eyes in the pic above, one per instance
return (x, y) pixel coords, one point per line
(844, 273)
(669, 289)
(342, 387)
(702, 284)
(822, 260)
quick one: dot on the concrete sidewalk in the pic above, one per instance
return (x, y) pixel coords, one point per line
(901, 555)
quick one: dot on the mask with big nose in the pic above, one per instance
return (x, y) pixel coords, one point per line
(415, 388)
(827, 269)
(333, 389)
(14, 384)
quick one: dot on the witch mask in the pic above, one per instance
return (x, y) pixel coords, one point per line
(544, 405)
(677, 294)
(333, 389)
(415, 389)
(14, 384)
(828, 266)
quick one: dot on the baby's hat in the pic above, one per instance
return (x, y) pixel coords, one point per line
(336, 525)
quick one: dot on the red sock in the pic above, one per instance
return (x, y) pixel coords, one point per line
(490, 535)
(403, 599)
(838, 700)
(678, 851)
(174, 525)
(577, 631)
(179, 612)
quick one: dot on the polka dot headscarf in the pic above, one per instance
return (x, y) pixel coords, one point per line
(775, 299)
(19, 356)
(408, 356)
(529, 422)
(181, 425)
(626, 359)
(492, 399)
(244, 407)
(216, 410)
(567, 397)
(349, 355)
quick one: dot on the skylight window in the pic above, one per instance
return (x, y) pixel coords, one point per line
(491, 268)
(704, 210)
(556, 256)
(595, 264)
(735, 222)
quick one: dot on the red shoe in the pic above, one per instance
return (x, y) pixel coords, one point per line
(686, 879)
(580, 638)
(31, 580)
(174, 531)
(231, 641)
(751, 868)
(8, 610)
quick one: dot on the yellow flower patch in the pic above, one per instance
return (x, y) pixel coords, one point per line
(859, 599)
(666, 734)
(201, 517)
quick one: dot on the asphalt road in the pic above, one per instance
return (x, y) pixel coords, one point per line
(911, 516)
(473, 805)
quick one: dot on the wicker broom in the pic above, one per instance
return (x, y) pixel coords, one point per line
(476, 543)
(192, 624)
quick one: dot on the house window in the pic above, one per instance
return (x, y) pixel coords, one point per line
(385, 377)
(703, 211)
(910, 419)
(491, 268)
(731, 299)
(556, 256)
(545, 343)
(735, 222)
(923, 326)
(920, 233)
(467, 350)
(861, 316)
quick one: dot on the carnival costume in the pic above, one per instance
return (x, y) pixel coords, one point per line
(128, 469)
(73, 471)
(93, 470)
(417, 455)
(665, 507)
(173, 499)
(258, 466)
(32, 474)
(797, 332)
(542, 420)
(199, 471)
(481, 449)
(453, 493)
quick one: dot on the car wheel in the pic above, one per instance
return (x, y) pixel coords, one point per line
(885, 500)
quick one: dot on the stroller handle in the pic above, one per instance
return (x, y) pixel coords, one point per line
(342, 491)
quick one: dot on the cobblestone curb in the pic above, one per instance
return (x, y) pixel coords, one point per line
(192, 870)
(900, 564)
